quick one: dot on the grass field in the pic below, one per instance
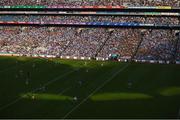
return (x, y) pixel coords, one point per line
(54, 88)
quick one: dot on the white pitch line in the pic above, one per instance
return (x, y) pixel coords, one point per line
(63, 91)
(97, 89)
(178, 114)
(54, 80)
(14, 66)
(46, 84)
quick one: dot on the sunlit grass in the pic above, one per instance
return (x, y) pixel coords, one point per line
(171, 91)
(113, 100)
(119, 96)
(45, 96)
(22, 58)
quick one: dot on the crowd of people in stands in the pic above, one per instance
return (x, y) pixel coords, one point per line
(139, 44)
(74, 19)
(91, 42)
(178, 47)
(157, 45)
(175, 3)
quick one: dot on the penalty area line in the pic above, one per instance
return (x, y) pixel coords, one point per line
(97, 89)
(14, 66)
(46, 84)
(63, 91)
(178, 117)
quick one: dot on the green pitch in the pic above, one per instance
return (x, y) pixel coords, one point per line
(54, 88)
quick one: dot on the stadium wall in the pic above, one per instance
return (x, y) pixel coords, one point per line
(89, 58)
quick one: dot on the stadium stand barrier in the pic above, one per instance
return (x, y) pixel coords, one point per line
(89, 58)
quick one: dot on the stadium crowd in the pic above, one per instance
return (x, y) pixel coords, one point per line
(175, 3)
(122, 42)
(73, 19)
(178, 48)
(90, 42)
(157, 45)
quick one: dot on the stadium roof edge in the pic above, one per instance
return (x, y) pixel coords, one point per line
(75, 13)
(95, 25)
(92, 8)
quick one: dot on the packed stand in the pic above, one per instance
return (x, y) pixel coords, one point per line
(178, 46)
(89, 42)
(74, 19)
(156, 45)
(122, 42)
(35, 40)
(86, 42)
(175, 3)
